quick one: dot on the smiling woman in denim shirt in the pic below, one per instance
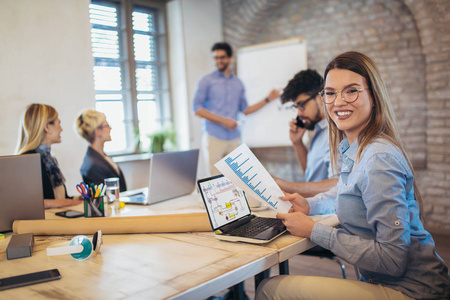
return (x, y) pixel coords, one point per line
(376, 200)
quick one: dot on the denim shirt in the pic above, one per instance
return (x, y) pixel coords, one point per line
(224, 96)
(381, 232)
(318, 167)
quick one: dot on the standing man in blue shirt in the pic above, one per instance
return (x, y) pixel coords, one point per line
(219, 98)
(303, 90)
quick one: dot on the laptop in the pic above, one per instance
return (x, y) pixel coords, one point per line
(21, 195)
(230, 215)
(172, 174)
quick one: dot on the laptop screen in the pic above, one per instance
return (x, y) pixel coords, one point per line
(172, 174)
(224, 202)
(21, 189)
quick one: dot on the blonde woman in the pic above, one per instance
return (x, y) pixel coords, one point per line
(97, 166)
(376, 201)
(40, 128)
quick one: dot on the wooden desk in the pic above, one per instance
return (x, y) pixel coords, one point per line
(155, 266)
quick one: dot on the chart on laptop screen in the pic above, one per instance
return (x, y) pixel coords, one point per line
(224, 201)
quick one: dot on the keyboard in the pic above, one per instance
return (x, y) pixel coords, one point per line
(255, 226)
(134, 199)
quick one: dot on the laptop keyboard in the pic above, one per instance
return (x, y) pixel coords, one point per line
(138, 198)
(254, 227)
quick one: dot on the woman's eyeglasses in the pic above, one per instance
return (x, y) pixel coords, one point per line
(349, 95)
(104, 126)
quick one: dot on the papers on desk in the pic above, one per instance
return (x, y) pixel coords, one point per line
(243, 168)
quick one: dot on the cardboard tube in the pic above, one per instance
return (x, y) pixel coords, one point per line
(118, 225)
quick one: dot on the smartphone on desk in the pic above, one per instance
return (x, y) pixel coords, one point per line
(70, 214)
(28, 279)
(299, 122)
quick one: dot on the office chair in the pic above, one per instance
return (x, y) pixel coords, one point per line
(324, 253)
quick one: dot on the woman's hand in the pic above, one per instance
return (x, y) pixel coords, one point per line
(299, 203)
(297, 223)
(57, 203)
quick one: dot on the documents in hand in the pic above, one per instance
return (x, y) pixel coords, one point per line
(243, 169)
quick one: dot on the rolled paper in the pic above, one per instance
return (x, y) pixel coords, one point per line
(116, 225)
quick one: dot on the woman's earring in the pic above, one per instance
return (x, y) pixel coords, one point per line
(49, 131)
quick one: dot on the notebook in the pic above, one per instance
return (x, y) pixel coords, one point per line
(172, 174)
(230, 215)
(21, 195)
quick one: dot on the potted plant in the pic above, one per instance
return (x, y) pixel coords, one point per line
(159, 139)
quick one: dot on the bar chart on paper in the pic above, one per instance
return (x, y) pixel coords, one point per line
(233, 164)
(243, 168)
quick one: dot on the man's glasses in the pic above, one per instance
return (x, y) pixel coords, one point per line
(220, 57)
(301, 105)
(349, 95)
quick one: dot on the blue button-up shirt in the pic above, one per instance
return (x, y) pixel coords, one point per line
(318, 165)
(381, 230)
(224, 96)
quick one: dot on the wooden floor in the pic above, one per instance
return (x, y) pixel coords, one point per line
(307, 265)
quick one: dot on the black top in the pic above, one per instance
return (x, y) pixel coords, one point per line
(96, 169)
(46, 184)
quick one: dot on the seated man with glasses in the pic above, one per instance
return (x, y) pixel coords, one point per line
(303, 90)
(97, 166)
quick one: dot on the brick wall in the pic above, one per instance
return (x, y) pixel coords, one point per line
(433, 23)
(410, 42)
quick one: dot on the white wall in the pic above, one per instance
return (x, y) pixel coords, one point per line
(45, 57)
(193, 26)
(177, 66)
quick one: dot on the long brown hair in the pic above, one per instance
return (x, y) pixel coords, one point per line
(31, 131)
(382, 123)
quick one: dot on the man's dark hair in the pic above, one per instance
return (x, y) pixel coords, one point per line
(304, 82)
(223, 46)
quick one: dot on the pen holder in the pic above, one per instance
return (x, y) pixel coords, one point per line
(94, 207)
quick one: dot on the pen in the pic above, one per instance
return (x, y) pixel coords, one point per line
(102, 193)
(93, 190)
(97, 212)
(100, 186)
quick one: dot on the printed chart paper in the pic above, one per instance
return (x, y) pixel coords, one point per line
(243, 168)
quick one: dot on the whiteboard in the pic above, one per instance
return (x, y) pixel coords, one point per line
(262, 68)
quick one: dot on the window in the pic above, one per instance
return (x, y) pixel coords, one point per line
(130, 71)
